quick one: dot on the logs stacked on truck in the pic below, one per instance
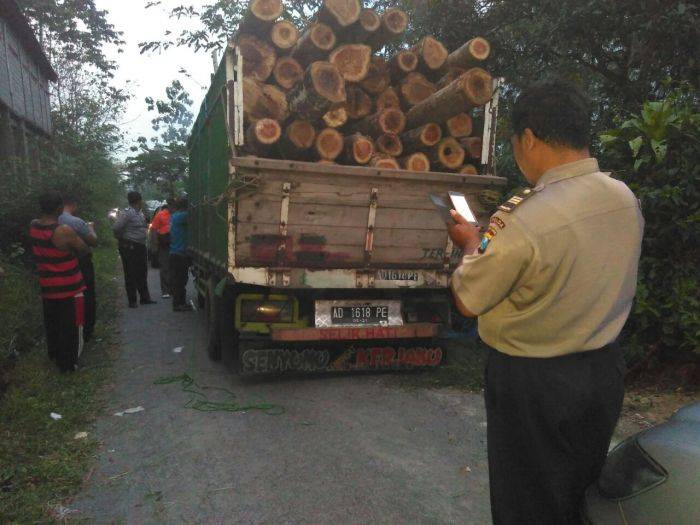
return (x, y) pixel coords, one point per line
(325, 93)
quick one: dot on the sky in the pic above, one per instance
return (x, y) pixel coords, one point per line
(149, 74)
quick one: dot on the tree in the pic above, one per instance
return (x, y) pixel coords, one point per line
(163, 160)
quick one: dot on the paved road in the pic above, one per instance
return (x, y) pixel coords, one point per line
(354, 449)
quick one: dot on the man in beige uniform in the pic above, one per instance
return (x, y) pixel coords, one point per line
(552, 282)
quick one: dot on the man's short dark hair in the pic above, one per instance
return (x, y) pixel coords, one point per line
(556, 111)
(134, 197)
(181, 204)
(170, 202)
(51, 202)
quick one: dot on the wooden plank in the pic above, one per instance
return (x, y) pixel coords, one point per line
(364, 172)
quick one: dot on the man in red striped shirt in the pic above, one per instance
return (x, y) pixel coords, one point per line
(55, 248)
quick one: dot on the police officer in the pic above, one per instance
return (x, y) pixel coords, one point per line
(552, 282)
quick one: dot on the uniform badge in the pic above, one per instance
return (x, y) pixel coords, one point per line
(498, 222)
(516, 200)
(486, 239)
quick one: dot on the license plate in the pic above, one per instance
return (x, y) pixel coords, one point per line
(349, 312)
(360, 315)
(397, 275)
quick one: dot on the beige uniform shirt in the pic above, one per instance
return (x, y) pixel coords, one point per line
(559, 272)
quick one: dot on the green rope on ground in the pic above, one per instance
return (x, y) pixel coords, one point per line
(199, 401)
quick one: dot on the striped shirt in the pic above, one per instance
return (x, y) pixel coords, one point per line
(59, 273)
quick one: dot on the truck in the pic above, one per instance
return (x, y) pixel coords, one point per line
(308, 267)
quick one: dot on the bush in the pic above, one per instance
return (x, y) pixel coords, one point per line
(657, 153)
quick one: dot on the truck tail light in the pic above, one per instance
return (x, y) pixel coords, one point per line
(628, 471)
(267, 311)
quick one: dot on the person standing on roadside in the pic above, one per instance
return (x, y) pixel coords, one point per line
(179, 260)
(55, 247)
(552, 282)
(86, 231)
(161, 226)
(131, 230)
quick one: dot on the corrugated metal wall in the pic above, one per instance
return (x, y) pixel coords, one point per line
(23, 88)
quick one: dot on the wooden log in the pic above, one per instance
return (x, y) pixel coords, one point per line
(297, 139)
(314, 44)
(327, 162)
(358, 149)
(284, 35)
(469, 169)
(258, 57)
(263, 101)
(358, 104)
(451, 74)
(473, 146)
(352, 60)
(261, 135)
(329, 144)
(394, 24)
(425, 136)
(260, 15)
(388, 99)
(459, 126)
(321, 87)
(431, 54)
(415, 162)
(415, 88)
(472, 89)
(384, 161)
(471, 54)
(390, 120)
(337, 116)
(339, 14)
(448, 154)
(287, 73)
(401, 64)
(389, 144)
(378, 78)
(366, 26)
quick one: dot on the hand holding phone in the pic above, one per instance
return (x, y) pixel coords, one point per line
(461, 206)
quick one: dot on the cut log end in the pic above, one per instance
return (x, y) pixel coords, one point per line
(432, 53)
(329, 144)
(369, 21)
(301, 134)
(388, 99)
(287, 72)
(459, 126)
(469, 169)
(449, 153)
(266, 10)
(352, 60)
(358, 149)
(265, 132)
(392, 120)
(378, 77)
(284, 35)
(322, 37)
(480, 48)
(389, 144)
(328, 82)
(383, 161)
(395, 22)
(340, 13)
(337, 117)
(258, 57)
(477, 86)
(415, 162)
(415, 88)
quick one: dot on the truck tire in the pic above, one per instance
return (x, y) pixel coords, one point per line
(228, 335)
(213, 310)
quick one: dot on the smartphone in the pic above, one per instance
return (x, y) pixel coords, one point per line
(460, 204)
(442, 207)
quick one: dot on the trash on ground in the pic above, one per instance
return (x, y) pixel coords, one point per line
(56, 416)
(178, 349)
(80, 435)
(465, 470)
(130, 411)
(61, 513)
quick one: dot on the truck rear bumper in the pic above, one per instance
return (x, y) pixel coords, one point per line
(352, 333)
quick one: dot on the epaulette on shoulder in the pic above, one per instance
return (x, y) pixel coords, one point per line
(516, 200)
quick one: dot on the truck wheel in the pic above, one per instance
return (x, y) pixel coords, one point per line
(213, 310)
(228, 335)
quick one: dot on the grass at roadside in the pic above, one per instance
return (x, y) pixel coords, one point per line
(41, 463)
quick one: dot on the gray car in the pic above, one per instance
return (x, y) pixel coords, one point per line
(652, 477)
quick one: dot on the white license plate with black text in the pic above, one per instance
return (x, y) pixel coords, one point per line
(358, 313)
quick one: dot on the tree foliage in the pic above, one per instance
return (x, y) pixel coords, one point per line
(162, 160)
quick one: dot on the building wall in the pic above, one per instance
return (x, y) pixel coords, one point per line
(24, 90)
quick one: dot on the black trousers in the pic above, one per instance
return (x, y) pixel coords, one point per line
(63, 324)
(164, 268)
(549, 427)
(179, 266)
(88, 271)
(134, 261)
